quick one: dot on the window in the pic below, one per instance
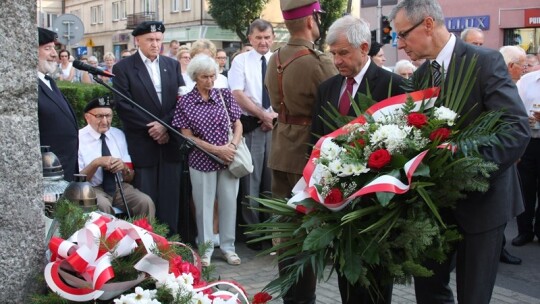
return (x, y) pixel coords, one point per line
(186, 5)
(119, 10)
(115, 11)
(96, 14)
(147, 6)
(123, 9)
(175, 6)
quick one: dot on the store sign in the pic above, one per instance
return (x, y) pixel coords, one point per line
(457, 24)
(532, 17)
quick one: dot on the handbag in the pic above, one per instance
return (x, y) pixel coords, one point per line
(242, 163)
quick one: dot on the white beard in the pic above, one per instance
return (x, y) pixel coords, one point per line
(46, 67)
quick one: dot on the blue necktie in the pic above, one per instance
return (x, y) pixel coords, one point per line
(108, 183)
(265, 97)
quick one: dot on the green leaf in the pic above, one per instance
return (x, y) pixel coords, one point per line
(319, 238)
(384, 197)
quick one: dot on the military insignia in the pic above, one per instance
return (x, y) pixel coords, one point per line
(153, 28)
(102, 101)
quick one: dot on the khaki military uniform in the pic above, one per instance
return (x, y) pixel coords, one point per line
(291, 136)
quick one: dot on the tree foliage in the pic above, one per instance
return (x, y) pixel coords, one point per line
(236, 15)
(334, 9)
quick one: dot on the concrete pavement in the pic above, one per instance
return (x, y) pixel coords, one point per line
(515, 284)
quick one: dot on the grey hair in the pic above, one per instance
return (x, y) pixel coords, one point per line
(200, 64)
(468, 30)
(261, 25)
(403, 64)
(355, 29)
(511, 53)
(416, 10)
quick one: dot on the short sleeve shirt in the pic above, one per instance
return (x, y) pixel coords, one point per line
(208, 121)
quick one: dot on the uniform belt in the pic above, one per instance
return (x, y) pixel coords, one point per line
(294, 120)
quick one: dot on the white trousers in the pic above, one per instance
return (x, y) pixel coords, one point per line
(206, 187)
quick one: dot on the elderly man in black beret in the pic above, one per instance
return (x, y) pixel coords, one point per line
(152, 81)
(104, 157)
(57, 123)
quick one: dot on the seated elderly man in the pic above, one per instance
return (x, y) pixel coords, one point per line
(103, 156)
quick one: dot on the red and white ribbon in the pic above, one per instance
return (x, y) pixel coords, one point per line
(305, 188)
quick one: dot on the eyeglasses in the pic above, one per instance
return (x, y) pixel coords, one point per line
(403, 35)
(101, 116)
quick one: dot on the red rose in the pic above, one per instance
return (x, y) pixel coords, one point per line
(334, 196)
(261, 298)
(143, 223)
(417, 120)
(378, 159)
(440, 134)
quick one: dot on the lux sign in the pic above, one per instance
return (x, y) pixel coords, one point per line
(457, 24)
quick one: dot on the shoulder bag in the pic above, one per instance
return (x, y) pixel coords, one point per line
(242, 164)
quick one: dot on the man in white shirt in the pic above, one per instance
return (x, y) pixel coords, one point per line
(103, 157)
(246, 83)
(528, 88)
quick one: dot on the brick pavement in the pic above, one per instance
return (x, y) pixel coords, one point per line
(256, 271)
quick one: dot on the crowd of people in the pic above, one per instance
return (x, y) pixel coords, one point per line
(278, 101)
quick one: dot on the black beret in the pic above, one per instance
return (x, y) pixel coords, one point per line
(148, 27)
(375, 48)
(46, 36)
(100, 102)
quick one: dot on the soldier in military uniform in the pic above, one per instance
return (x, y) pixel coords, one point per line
(294, 102)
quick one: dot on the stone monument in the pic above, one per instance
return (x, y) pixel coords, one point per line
(22, 234)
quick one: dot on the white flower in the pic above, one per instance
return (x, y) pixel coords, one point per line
(140, 296)
(335, 166)
(201, 298)
(443, 113)
(180, 286)
(390, 137)
(329, 149)
(359, 168)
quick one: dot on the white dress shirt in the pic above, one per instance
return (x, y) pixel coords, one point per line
(153, 70)
(529, 91)
(357, 79)
(90, 149)
(246, 75)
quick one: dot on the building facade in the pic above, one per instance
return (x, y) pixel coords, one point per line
(503, 22)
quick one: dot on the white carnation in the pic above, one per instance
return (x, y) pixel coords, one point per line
(390, 137)
(443, 113)
(329, 149)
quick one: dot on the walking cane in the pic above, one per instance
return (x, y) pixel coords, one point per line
(119, 183)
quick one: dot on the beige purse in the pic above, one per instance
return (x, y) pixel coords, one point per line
(242, 164)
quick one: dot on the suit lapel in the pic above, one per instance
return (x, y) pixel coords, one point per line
(335, 88)
(146, 81)
(165, 74)
(58, 100)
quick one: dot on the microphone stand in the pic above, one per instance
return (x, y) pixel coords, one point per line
(187, 144)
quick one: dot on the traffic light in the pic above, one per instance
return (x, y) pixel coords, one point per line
(386, 30)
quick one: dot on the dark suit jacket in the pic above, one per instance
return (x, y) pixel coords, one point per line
(378, 80)
(133, 80)
(493, 90)
(58, 128)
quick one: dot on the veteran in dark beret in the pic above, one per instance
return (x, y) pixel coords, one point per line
(152, 81)
(57, 122)
(104, 157)
(294, 102)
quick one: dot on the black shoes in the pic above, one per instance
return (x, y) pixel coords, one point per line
(522, 239)
(507, 258)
